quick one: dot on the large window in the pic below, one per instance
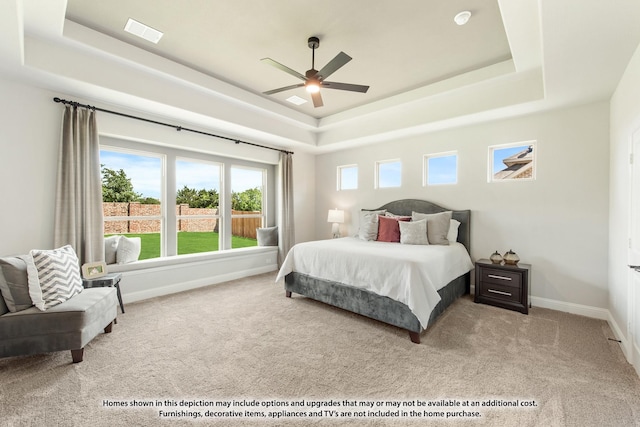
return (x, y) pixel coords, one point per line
(388, 174)
(441, 168)
(197, 206)
(510, 162)
(247, 201)
(132, 194)
(177, 201)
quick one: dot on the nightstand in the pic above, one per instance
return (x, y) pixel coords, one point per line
(503, 285)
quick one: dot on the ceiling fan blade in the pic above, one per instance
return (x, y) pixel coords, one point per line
(333, 65)
(282, 89)
(283, 68)
(345, 86)
(317, 99)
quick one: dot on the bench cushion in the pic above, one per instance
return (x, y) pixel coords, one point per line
(69, 325)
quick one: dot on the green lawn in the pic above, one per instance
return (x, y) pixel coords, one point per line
(188, 243)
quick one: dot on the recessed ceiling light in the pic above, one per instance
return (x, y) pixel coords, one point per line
(141, 30)
(296, 100)
(462, 17)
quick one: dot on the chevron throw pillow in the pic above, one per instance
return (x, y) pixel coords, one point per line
(54, 276)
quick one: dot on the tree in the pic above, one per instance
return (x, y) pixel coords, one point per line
(248, 200)
(149, 201)
(198, 198)
(117, 186)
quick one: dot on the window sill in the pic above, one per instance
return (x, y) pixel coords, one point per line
(191, 258)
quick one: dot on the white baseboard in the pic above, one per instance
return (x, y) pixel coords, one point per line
(625, 344)
(636, 358)
(199, 283)
(569, 307)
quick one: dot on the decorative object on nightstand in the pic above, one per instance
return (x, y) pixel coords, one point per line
(496, 258)
(110, 279)
(511, 258)
(336, 217)
(503, 285)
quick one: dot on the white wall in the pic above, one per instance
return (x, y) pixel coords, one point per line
(29, 139)
(30, 123)
(558, 223)
(625, 119)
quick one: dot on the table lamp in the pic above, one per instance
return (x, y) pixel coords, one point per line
(336, 217)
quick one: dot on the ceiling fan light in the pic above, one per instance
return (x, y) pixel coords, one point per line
(462, 17)
(312, 86)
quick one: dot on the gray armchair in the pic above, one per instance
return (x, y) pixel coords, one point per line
(69, 325)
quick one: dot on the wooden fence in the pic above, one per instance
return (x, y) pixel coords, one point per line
(242, 227)
(245, 227)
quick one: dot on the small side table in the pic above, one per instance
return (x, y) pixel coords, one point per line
(111, 279)
(503, 285)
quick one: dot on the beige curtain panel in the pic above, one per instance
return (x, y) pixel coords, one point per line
(78, 214)
(286, 238)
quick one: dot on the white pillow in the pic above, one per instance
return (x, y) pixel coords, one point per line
(369, 224)
(414, 232)
(452, 235)
(438, 225)
(54, 276)
(128, 249)
(111, 248)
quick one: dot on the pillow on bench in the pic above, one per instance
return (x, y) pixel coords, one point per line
(121, 249)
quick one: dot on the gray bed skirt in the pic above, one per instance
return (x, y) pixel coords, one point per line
(372, 305)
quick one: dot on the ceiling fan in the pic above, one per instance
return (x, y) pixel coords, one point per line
(314, 79)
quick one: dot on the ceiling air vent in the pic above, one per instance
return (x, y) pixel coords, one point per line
(139, 29)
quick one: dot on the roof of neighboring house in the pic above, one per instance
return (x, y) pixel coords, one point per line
(513, 171)
(524, 156)
(517, 164)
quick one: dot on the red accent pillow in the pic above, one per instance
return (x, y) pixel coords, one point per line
(388, 228)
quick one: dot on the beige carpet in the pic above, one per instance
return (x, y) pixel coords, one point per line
(244, 341)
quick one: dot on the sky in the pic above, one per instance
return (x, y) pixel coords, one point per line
(442, 169)
(389, 174)
(145, 173)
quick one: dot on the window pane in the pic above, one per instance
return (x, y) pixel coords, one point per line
(348, 176)
(513, 162)
(389, 174)
(131, 191)
(442, 169)
(197, 206)
(246, 205)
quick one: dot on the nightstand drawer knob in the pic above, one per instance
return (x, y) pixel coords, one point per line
(493, 276)
(493, 291)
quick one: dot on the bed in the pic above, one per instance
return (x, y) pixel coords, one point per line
(400, 308)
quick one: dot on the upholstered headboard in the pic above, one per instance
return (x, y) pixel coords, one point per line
(406, 206)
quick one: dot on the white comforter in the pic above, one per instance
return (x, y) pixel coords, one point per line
(411, 274)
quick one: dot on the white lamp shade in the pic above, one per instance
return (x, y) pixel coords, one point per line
(335, 215)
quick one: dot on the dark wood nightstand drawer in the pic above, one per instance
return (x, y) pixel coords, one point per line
(501, 277)
(501, 292)
(505, 286)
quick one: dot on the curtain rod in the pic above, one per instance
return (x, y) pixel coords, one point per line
(178, 128)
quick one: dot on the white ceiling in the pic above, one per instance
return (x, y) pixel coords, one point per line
(396, 46)
(425, 72)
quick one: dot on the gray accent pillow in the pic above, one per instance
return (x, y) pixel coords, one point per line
(267, 236)
(3, 305)
(414, 232)
(369, 224)
(14, 283)
(54, 276)
(111, 249)
(437, 226)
